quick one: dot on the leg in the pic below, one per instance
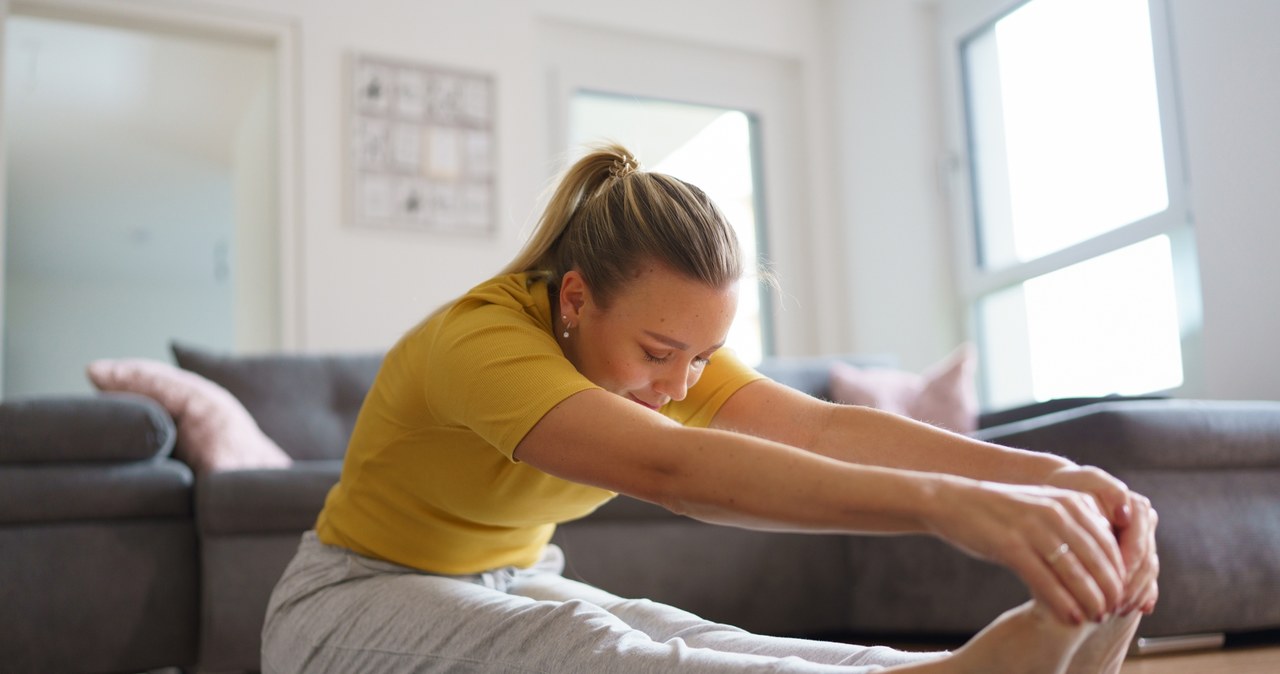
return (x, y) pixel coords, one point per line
(334, 611)
(337, 612)
(1026, 639)
(663, 623)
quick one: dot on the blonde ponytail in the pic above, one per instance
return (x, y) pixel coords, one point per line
(607, 216)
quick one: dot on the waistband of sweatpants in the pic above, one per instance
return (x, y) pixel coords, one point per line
(551, 561)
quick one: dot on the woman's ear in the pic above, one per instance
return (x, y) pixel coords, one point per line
(573, 295)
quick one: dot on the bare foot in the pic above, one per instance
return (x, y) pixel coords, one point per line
(1024, 640)
(1104, 650)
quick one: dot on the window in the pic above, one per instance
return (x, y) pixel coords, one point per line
(707, 146)
(1081, 269)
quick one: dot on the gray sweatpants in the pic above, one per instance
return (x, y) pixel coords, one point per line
(337, 611)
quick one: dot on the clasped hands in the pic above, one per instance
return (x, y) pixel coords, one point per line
(1082, 541)
(1133, 523)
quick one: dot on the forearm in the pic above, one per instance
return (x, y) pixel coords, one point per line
(723, 476)
(870, 437)
(729, 478)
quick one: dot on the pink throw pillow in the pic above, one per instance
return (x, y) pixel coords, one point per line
(945, 395)
(215, 432)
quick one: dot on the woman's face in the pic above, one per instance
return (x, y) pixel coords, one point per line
(653, 341)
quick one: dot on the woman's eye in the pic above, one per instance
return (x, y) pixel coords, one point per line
(655, 359)
(700, 361)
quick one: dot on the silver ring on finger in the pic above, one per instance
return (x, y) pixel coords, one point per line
(1058, 553)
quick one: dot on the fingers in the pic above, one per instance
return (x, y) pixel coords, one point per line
(1102, 536)
(1080, 575)
(1145, 592)
(1140, 592)
(1137, 538)
(1111, 494)
(1094, 555)
(1048, 589)
(1026, 527)
(1071, 561)
(1127, 540)
(1148, 605)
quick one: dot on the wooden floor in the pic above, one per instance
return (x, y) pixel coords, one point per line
(1241, 660)
(1252, 658)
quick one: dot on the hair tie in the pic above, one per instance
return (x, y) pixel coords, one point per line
(623, 165)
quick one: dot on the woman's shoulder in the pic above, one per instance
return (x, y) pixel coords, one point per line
(523, 291)
(502, 306)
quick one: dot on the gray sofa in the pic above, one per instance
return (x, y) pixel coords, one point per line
(115, 559)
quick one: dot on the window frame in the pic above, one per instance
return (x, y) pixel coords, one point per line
(974, 281)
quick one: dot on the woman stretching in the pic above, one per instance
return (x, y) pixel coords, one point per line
(592, 366)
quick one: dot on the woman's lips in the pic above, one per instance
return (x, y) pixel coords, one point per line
(641, 402)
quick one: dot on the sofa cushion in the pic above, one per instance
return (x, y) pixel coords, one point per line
(214, 430)
(110, 427)
(306, 403)
(812, 374)
(944, 395)
(264, 501)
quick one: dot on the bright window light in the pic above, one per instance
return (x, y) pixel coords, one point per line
(1101, 327)
(1084, 254)
(1066, 125)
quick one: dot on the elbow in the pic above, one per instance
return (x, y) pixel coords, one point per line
(683, 496)
(677, 478)
(660, 485)
(668, 485)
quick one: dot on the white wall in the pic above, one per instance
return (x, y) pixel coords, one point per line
(888, 139)
(1227, 53)
(361, 288)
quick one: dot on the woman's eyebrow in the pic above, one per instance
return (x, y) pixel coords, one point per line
(675, 343)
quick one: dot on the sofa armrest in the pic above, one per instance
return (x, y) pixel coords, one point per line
(264, 501)
(1162, 434)
(1032, 410)
(81, 492)
(118, 427)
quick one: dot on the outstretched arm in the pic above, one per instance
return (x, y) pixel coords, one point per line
(866, 436)
(871, 437)
(600, 439)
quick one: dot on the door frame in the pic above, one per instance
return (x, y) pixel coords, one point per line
(277, 32)
(768, 86)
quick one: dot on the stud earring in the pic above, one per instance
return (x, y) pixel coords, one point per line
(565, 319)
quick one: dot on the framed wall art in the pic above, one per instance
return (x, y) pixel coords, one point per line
(422, 147)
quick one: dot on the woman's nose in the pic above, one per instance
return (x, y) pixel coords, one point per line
(673, 382)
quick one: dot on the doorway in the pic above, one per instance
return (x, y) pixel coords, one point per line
(738, 110)
(142, 195)
(708, 146)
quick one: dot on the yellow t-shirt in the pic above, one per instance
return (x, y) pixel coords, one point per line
(429, 480)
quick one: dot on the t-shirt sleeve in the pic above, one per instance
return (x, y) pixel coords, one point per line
(723, 376)
(495, 372)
